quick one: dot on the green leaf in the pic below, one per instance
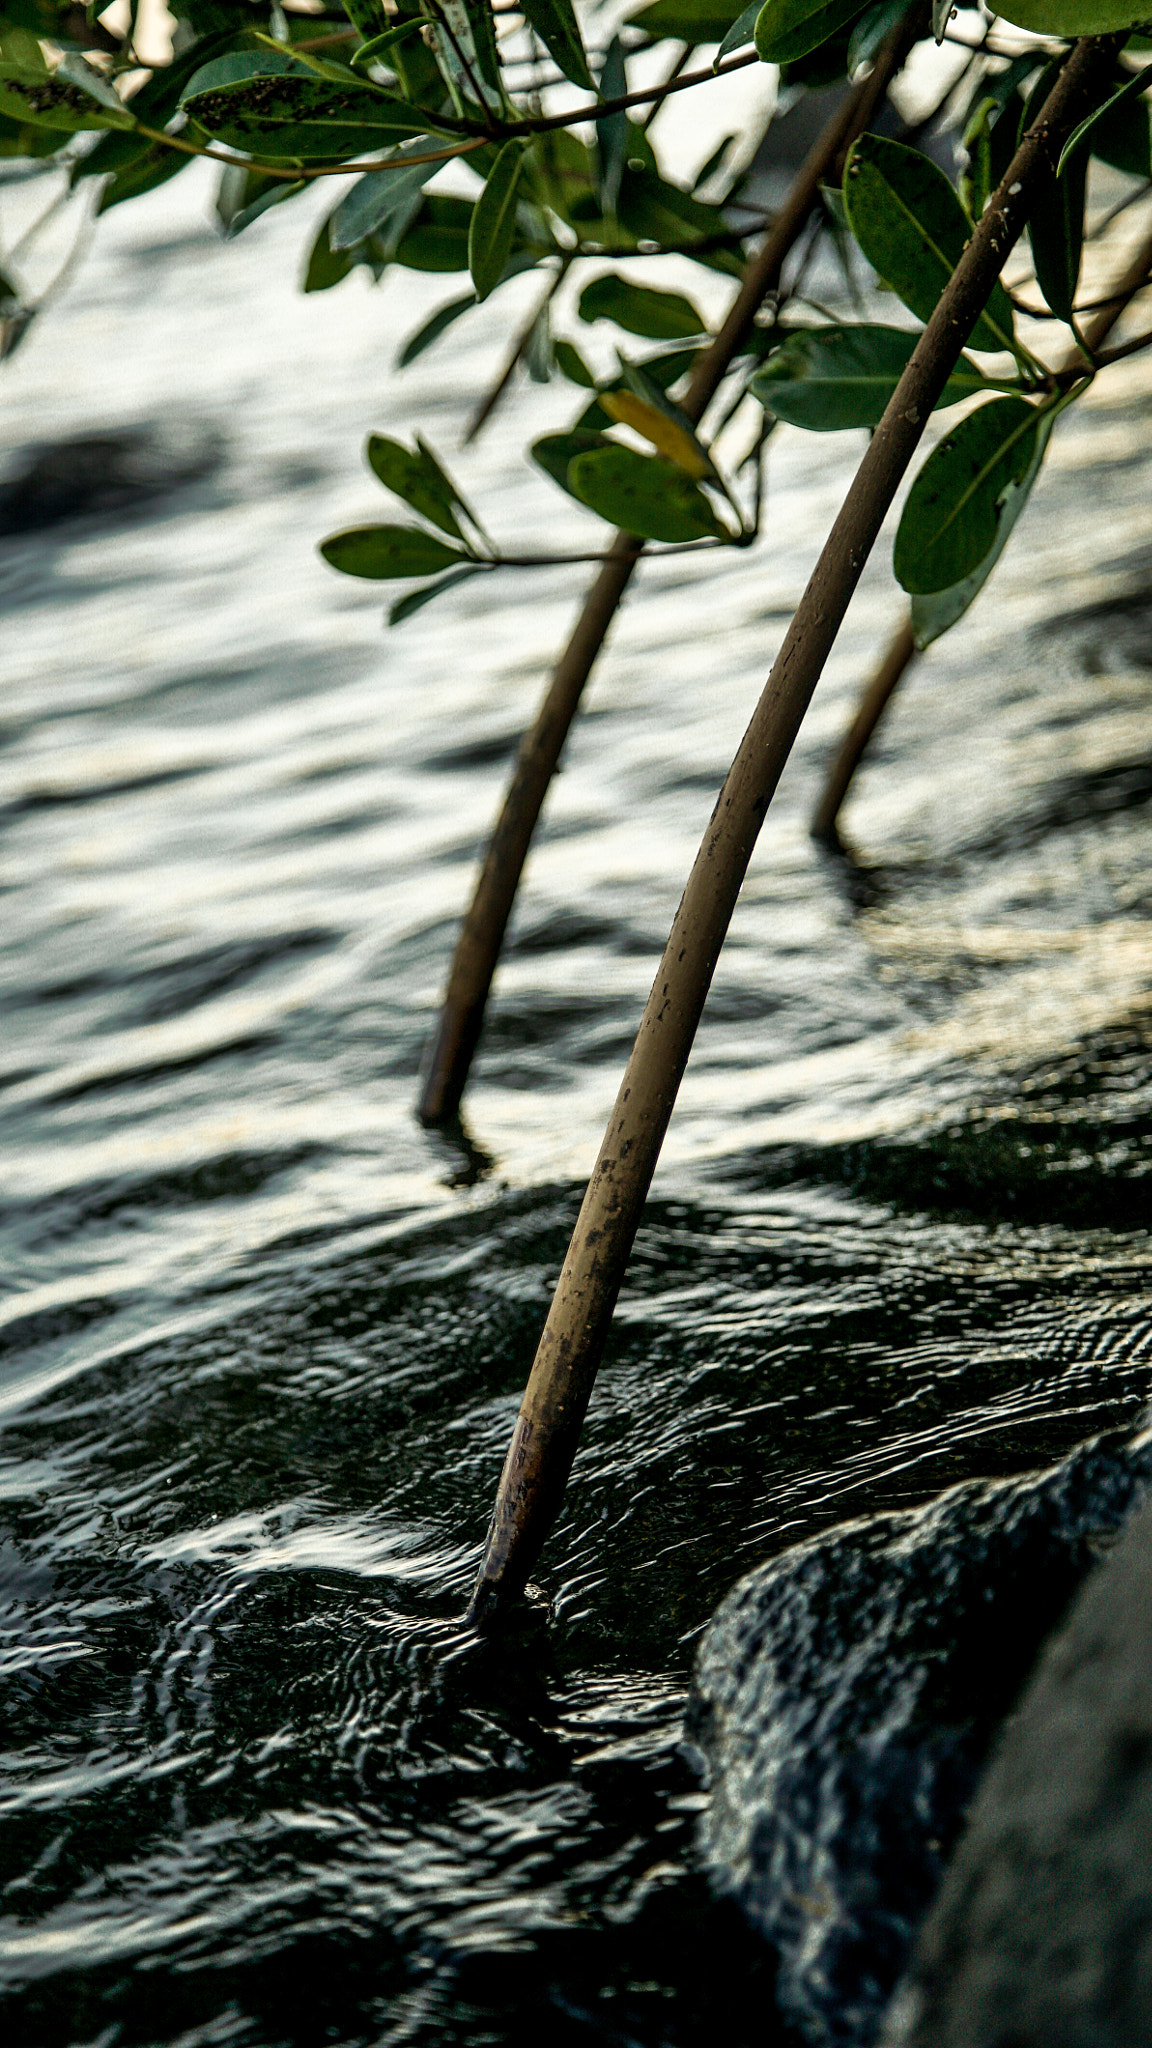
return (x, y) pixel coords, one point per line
(493, 228)
(659, 316)
(571, 364)
(381, 552)
(236, 67)
(688, 21)
(613, 130)
(1056, 234)
(377, 46)
(415, 600)
(136, 164)
(20, 138)
(57, 103)
(830, 378)
(554, 452)
(933, 612)
(654, 210)
(1132, 86)
(368, 17)
(872, 28)
(437, 238)
(472, 24)
(433, 328)
(643, 494)
(325, 266)
(951, 515)
(555, 23)
(912, 228)
(296, 115)
(741, 32)
(417, 478)
(246, 194)
(377, 197)
(1071, 18)
(788, 29)
(1121, 138)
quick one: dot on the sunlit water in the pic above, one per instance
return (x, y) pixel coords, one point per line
(264, 1338)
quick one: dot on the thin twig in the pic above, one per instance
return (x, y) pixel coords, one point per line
(495, 392)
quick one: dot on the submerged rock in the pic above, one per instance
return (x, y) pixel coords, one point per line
(105, 475)
(845, 1700)
(1042, 1934)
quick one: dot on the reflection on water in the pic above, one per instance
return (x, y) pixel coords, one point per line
(263, 1338)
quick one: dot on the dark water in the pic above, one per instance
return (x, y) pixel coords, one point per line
(263, 1339)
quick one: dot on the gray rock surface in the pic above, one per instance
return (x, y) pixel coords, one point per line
(846, 1697)
(1042, 1934)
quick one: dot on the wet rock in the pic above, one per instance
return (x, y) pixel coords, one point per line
(846, 1697)
(106, 475)
(1042, 1934)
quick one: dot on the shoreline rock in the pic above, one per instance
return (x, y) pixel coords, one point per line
(846, 1697)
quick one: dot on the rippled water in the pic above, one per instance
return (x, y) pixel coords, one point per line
(263, 1338)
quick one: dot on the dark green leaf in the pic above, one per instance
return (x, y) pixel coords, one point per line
(571, 364)
(377, 197)
(1071, 18)
(51, 102)
(381, 552)
(493, 228)
(612, 131)
(688, 21)
(828, 378)
(933, 612)
(144, 171)
(379, 46)
(558, 29)
(482, 32)
(659, 316)
(238, 67)
(741, 32)
(417, 478)
(134, 162)
(1056, 233)
(1131, 87)
(871, 30)
(368, 17)
(643, 494)
(1121, 138)
(788, 29)
(826, 66)
(245, 194)
(438, 236)
(433, 328)
(303, 117)
(654, 210)
(989, 141)
(325, 266)
(912, 228)
(554, 452)
(952, 513)
(415, 600)
(19, 138)
(712, 164)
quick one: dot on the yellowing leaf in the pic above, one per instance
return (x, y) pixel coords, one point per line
(664, 434)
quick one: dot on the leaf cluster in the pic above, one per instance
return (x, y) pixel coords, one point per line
(394, 95)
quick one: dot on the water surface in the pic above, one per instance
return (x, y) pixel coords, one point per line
(263, 1338)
